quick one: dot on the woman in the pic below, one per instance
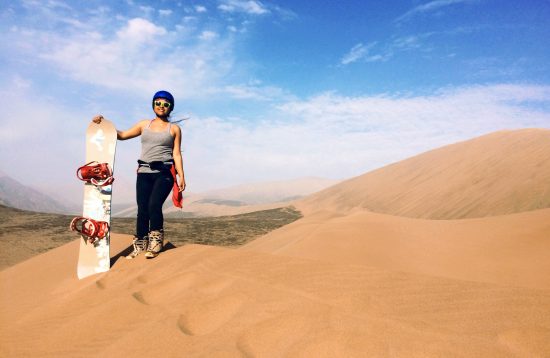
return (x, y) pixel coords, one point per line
(159, 163)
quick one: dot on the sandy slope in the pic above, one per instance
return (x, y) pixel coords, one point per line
(340, 282)
(208, 301)
(512, 249)
(500, 173)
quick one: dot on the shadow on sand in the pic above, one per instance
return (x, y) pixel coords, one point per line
(167, 246)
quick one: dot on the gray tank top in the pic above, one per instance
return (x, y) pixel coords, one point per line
(155, 146)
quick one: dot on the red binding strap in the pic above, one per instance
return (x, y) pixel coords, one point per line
(99, 174)
(91, 229)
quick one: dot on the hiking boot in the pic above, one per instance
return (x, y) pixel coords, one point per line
(140, 245)
(156, 241)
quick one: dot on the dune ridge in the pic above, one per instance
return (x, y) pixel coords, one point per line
(345, 280)
(509, 249)
(496, 174)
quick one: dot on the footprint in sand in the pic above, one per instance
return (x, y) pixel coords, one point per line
(101, 284)
(142, 279)
(165, 291)
(104, 279)
(207, 317)
(139, 297)
(138, 281)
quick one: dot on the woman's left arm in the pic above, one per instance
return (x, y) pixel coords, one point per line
(178, 162)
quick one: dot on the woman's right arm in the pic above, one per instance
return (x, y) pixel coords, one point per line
(132, 132)
(127, 134)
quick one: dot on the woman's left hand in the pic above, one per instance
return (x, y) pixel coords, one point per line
(181, 186)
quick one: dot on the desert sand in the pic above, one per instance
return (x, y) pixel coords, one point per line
(445, 262)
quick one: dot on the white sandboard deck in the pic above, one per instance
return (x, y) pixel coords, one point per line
(100, 146)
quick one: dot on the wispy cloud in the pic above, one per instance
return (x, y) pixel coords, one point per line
(165, 12)
(146, 9)
(408, 42)
(246, 6)
(356, 53)
(376, 52)
(208, 35)
(200, 9)
(50, 4)
(429, 7)
(257, 92)
(255, 8)
(494, 67)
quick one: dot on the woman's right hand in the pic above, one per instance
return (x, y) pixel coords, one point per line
(97, 119)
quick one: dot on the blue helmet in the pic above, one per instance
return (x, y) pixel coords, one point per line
(164, 95)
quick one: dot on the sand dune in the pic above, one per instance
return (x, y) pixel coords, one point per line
(208, 301)
(510, 249)
(346, 280)
(500, 173)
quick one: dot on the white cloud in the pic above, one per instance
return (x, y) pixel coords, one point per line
(364, 53)
(256, 92)
(406, 43)
(140, 30)
(254, 7)
(56, 4)
(189, 19)
(356, 53)
(140, 56)
(360, 52)
(137, 55)
(429, 7)
(208, 35)
(50, 4)
(246, 6)
(339, 137)
(146, 9)
(200, 9)
(165, 12)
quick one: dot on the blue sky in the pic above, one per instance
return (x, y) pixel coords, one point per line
(274, 90)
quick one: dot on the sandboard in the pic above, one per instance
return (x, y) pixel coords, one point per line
(101, 141)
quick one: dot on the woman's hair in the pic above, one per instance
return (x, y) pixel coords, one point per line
(178, 120)
(168, 96)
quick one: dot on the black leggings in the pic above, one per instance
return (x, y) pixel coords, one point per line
(152, 189)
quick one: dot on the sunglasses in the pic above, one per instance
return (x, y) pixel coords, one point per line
(162, 104)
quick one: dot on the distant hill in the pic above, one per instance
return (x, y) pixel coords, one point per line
(17, 195)
(500, 173)
(240, 199)
(270, 192)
